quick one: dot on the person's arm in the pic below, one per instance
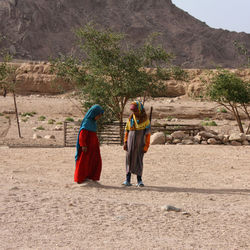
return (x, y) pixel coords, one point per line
(147, 142)
(125, 144)
(83, 140)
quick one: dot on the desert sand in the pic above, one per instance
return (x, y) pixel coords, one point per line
(42, 208)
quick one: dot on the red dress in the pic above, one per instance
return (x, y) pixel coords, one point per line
(88, 164)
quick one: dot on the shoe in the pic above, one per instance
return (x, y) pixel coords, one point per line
(140, 184)
(126, 183)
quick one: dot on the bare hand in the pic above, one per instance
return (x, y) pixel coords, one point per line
(125, 147)
(84, 149)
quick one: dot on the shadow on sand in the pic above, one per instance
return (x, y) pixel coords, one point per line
(166, 189)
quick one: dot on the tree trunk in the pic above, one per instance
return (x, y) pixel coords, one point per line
(237, 117)
(121, 128)
(17, 120)
(248, 116)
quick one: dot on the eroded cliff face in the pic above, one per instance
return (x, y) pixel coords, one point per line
(37, 30)
(36, 78)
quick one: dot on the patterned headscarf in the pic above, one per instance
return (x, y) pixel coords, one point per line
(140, 122)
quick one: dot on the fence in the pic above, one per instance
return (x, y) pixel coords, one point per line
(110, 133)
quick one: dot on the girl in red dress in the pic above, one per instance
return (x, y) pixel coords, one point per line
(88, 157)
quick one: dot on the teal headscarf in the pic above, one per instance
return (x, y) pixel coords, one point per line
(89, 123)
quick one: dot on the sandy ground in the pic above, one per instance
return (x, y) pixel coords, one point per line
(41, 207)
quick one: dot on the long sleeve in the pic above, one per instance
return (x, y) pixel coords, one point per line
(147, 142)
(126, 137)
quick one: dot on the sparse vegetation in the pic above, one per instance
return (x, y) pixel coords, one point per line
(179, 74)
(221, 110)
(42, 118)
(69, 119)
(208, 123)
(169, 118)
(8, 81)
(51, 121)
(25, 119)
(111, 75)
(28, 114)
(40, 128)
(232, 93)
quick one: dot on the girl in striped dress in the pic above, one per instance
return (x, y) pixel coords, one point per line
(136, 142)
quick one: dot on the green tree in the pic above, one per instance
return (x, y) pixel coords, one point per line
(8, 82)
(231, 92)
(114, 72)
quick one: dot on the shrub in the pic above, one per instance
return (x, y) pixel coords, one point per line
(221, 110)
(28, 114)
(209, 123)
(25, 119)
(40, 128)
(51, 121)
(42, 118)
(69, 119)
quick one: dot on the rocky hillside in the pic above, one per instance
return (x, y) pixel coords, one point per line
(36, 30)
(36, 78)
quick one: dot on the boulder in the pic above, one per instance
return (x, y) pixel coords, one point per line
(176, 141)
(178, 135)
(187, 142)
(245, 143)
(169, 138)
(237, 137)
(197, 138)
(157, 138)
(212, 141)
(207, 135)
(235, 143)
(248, 137)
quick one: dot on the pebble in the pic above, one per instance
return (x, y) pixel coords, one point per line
(171, 208)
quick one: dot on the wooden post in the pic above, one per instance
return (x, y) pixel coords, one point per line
(64, 133)
(18, 125)
(150, 115)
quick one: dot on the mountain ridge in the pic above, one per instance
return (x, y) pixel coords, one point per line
(36, 30)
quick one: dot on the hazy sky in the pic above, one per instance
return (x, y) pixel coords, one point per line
(232, 15)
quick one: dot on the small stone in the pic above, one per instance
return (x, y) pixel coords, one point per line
(49, 137)
(171, 208)
(186, 213)
(58, 128)
(36, 136)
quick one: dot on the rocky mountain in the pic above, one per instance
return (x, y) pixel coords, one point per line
(36, 30)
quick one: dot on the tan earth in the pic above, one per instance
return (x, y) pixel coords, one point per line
(42, 208)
